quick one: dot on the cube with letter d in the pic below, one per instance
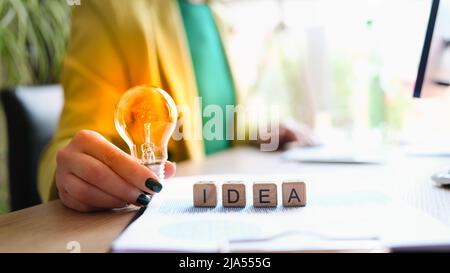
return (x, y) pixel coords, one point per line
(294, 193)
(233, 194)
(205, 194)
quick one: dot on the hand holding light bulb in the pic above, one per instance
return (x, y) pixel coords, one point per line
(93, 174)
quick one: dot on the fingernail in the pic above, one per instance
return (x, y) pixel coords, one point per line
(153, 184)
(143, 199)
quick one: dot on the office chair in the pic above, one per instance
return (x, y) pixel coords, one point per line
(32, 114)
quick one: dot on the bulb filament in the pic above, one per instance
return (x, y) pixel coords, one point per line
(148, 154)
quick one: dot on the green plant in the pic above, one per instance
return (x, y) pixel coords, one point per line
(33, 37)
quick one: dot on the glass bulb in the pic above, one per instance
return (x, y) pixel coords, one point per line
(145, 118)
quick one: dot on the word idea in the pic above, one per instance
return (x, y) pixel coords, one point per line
(265, 194)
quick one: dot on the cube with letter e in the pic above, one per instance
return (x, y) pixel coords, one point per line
(265, 194)
(205, 194)
(294, 193)
(233, 194)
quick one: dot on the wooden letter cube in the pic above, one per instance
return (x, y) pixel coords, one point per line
(265, 194)
(294, 193)
(233, 194)
(205, 194)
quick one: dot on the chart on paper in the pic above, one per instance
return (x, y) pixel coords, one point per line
(352, 212)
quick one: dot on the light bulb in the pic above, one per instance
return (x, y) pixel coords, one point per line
(145, 118)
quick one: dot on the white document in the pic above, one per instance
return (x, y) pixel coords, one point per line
(344, 215)
(342, 153)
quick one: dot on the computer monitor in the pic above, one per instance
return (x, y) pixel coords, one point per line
(434, 71)
(434, 67)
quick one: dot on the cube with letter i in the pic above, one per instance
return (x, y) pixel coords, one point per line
(205, 194)
(265, 194)
(294, 193)
(233, 194)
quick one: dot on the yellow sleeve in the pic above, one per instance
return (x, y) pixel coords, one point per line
(94, 76)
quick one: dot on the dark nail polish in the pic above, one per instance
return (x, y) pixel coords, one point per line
(143, 199)
(153, 184)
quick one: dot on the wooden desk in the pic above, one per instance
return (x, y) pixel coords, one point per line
(50, 227)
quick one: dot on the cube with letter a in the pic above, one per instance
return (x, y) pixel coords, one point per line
(265, 194)
(294, 193)
(233, 194)
(205, 194)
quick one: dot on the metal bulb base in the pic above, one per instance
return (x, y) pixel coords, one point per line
(158, 168)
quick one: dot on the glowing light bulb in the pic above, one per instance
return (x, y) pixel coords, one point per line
(145, 118)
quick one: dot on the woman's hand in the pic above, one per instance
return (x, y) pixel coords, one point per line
(297, 133)
(92, 174)
(289, 133)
